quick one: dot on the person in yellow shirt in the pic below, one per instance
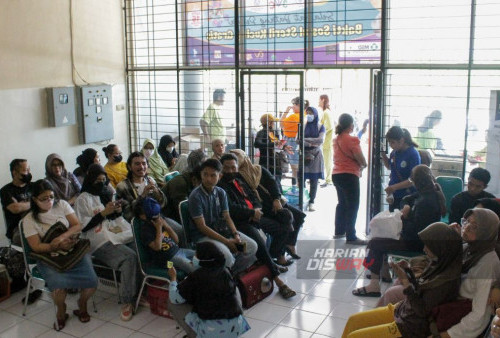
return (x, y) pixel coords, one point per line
(211, 122)
(115, 168)
(329, 122)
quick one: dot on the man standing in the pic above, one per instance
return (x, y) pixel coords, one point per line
(211, 122)
(16, 198)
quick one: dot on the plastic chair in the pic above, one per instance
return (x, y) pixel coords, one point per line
(184, 214)
(171, 175)
(148, 271)
(451, 186)
(102, 265)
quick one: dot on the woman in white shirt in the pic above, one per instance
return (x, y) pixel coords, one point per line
(110, 235)
(45, 212)
(481, 266)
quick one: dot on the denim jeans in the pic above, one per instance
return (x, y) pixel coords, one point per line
(122, 258)
(183, 260)
(347, 186)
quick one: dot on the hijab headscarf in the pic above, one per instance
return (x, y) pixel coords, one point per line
(313, 129)
(155, 163)
(424, 182)
(195, 158)
(64, 185)
(486, 236)
(166, 156)
(104, 193)
(181, 164)
(446, 244)
(251, 172)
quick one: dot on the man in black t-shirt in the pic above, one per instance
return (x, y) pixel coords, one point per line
(461, 202)
(16, 197)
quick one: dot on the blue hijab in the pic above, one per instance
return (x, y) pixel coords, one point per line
(313, 128)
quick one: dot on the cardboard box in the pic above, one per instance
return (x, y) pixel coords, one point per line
(189, 143)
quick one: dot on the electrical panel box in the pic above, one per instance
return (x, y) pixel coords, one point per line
(61, 106)
(95, 113)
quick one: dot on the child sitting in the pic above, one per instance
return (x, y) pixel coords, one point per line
(160, 239)
(214, 308)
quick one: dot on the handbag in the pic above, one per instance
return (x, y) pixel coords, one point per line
(255, 284)
(61, 260)
(308, 157)
(118, 231)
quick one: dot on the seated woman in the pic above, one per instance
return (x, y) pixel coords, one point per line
(159, 237)
(494, 205)
(110, 235)
(266, 186)
(84, 160)
(480, 268)
(214, 308)
(156, 167)
(167, 151)
(115, 168)
(66, 185)
(46, 211)
(439, 283)
(419, 210)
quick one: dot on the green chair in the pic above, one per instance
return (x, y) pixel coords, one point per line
(149, 272)
(451, 186)
(184, 213)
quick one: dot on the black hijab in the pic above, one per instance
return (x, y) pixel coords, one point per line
(166, 156)
(103, 191)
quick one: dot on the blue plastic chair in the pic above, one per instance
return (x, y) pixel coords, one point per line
(451, 186)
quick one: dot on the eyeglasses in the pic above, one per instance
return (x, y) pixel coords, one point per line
(466, 224)
(46, 198)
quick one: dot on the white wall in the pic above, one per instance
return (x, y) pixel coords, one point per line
(35, 53)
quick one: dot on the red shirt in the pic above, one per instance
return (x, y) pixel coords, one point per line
(344, 148)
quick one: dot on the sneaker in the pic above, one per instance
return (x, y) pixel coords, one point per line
(127, 312)
(357, 241)
(311, 207)
(326, 184)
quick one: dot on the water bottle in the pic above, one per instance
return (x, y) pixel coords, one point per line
(389, 199)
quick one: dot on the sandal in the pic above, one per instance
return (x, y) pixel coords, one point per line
(61, 323)
(282, 269)
(286, 292)
(361, 292)
(286, 263)
(83, 316)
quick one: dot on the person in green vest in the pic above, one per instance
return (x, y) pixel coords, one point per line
(425, 136)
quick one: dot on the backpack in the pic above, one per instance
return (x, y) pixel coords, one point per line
(14, 262)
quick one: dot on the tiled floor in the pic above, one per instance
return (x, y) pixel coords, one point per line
(320, 308)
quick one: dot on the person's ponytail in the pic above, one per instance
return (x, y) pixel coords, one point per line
(408, 140)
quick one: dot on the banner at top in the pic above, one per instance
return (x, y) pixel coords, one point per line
(276, 32)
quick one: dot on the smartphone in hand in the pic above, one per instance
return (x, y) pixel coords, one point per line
(75, 236)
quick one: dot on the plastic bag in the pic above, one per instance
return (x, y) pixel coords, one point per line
(386, 224)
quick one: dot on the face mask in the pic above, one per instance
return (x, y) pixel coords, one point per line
(118, 158)
(310, 118)
(170, 149)
(147, 152)
(26, 178)
(196, 262)
(229, 176)
(98, 188)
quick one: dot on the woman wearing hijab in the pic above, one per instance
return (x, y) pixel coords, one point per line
(110, 236)
(66, 185)
(266, 188)
(481, 267)
(167, 151)
(266, 140)
(314, 134)
(181, 165)
(214, 308)
(418, 210)
(156, 167)
(87, 157)
(438, 284)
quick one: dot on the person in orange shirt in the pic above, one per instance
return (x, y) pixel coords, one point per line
(290, 125)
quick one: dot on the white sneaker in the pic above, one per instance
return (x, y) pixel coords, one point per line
(311, 207)
(127, 312)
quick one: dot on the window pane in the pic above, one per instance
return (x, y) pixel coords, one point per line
(487, 32)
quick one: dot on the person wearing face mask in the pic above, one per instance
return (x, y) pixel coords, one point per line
(167, 151)
(156, 167)
(160, 239)
(110, 235)
(207, 303)
(314, 134)
(66, 185)
(16, 197)
(115, 168)
(45, 212)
